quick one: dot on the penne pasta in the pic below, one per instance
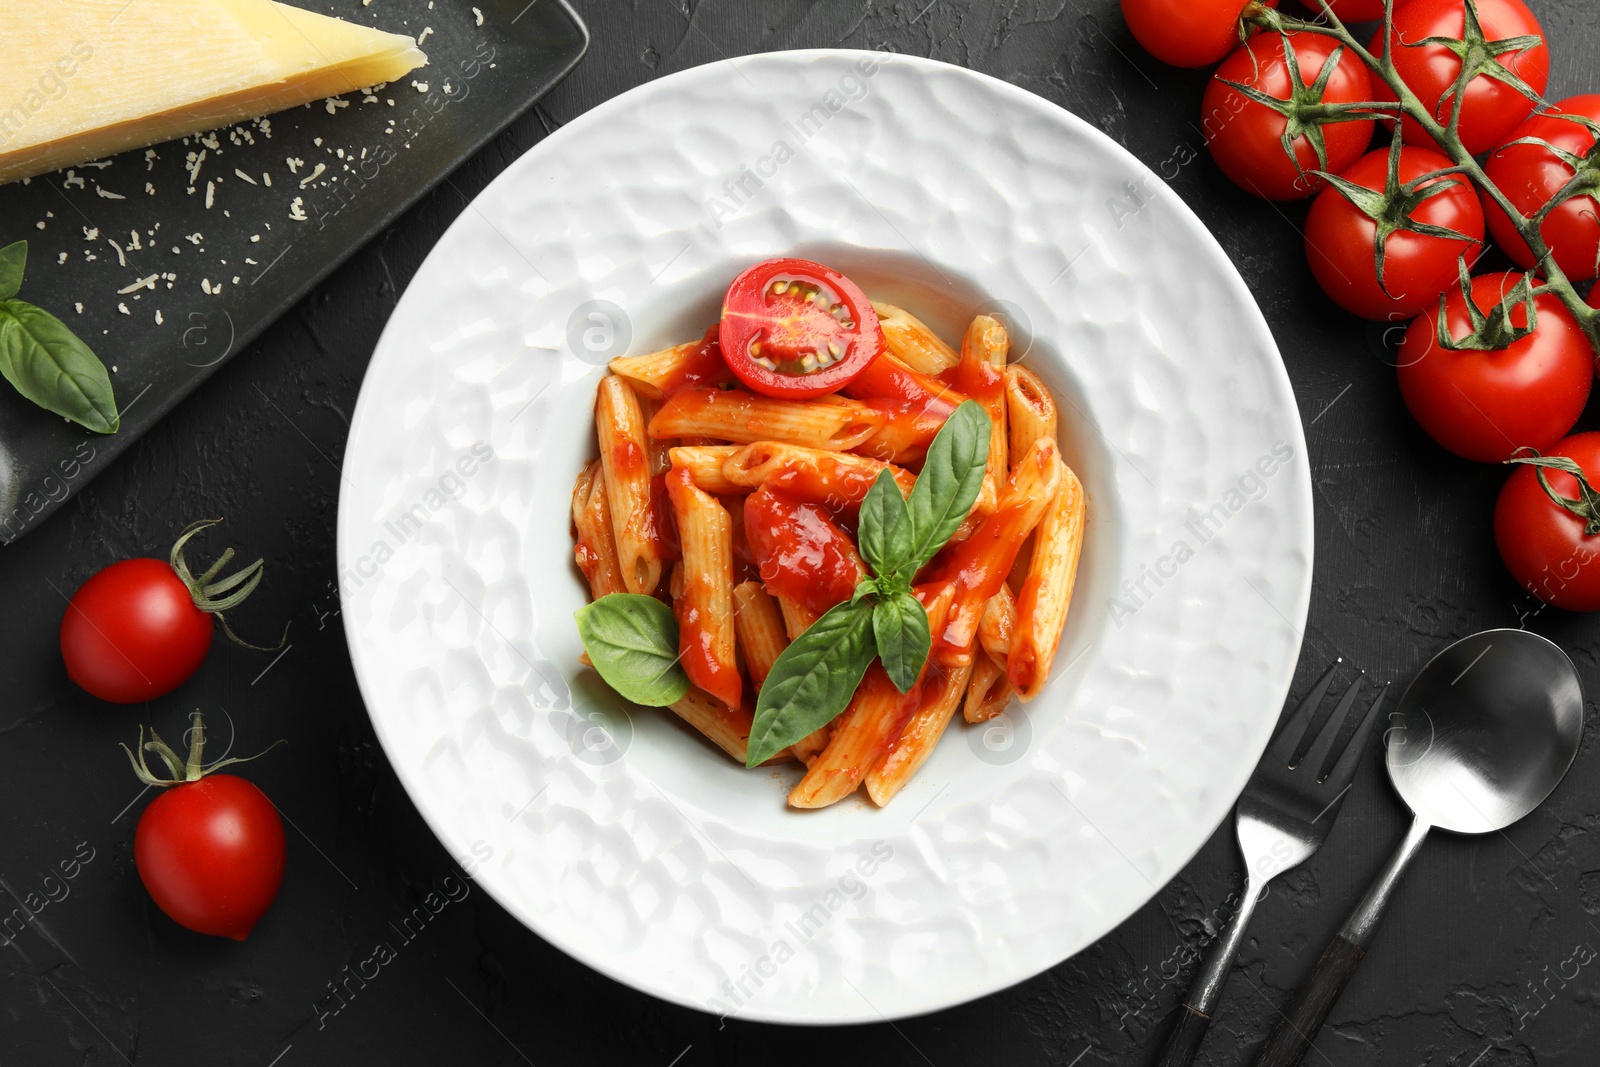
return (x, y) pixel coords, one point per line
(704, 464)
(989, 691)
(863, 731)
(911, 342)
(941, 696)
(809, 747)
(837, 480)
(727, 728)
(759, 625)
(625, 462)
(596, 548)
(1047, 593)
(998, 621)
(978, 566)
(705, 607)
(736, 415)
(1030, 409)
(658, 375)
(797, 618)
(981, 375)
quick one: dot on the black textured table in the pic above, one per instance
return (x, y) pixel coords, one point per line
(1487, 960)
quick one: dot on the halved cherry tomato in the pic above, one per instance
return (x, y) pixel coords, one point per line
(796, 329)
(1531, 175)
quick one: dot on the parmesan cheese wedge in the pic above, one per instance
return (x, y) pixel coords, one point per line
(83, 79)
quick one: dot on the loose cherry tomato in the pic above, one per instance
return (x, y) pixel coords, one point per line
(210, 849)
(1189, 33)
(1350, 10)
(1547, 547)
(799, 551)
(1417, 267)
(1485, 405)
(1492, 108)
(1531, 175)
(1247, 137)
(140, 628)
(796, 329)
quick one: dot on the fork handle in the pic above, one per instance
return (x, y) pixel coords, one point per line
(1194, 1015)
(1292, 1039)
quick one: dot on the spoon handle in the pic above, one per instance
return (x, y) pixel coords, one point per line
(1292, 1039)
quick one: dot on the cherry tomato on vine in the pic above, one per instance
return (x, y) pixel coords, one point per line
(1188, 33)
(210, 848)
(1247, 136)
(1531, 175)
(1492, 108)
(1552, 550)
(796, 329)
(1350, 10)
(138, 629)
(1485, 403)
(1341, 237)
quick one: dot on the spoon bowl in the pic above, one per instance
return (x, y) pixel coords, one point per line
(1485, 731)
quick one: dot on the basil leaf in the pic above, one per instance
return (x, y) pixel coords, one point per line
(865, 588)
(13, 258)
(950, 480)
(813, 679)
(885, 538)
(632, 641)
(900, 626)
(49, 365)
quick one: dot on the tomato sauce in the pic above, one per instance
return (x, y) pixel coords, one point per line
(704, 367)
(799, 551)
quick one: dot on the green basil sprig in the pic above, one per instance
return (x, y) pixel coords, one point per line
(632, 641)
(813, 679)
(45, 361)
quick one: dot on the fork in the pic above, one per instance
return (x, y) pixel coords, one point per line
(1284, 816)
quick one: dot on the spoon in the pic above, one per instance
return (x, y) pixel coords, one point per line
(1484, 733)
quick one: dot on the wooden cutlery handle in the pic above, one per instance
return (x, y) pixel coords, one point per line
(1183, 1044)
(1292, 1039)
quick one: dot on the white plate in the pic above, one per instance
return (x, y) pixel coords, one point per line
(626, 840)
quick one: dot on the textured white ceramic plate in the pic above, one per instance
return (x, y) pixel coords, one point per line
(626, 840)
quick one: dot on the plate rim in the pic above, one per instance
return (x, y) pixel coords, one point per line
(1304, 520)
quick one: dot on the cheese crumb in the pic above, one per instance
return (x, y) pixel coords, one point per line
(79, 307)
(423, 36)
(148, 282)
(316, 173)
(205, 284)
(211, 194)
(420, 87)
(244, 176)
(478, 15)
(158, 317)
(297, 210)
(334, 103)
(123, 308)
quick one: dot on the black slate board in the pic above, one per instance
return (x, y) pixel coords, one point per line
(228, 253)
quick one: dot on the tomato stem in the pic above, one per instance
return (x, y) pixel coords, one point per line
(1447, 135)
(191, 770)
(215, 596)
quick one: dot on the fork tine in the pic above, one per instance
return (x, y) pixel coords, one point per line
(1344, 771)
(1317, 755)
(1290, 733)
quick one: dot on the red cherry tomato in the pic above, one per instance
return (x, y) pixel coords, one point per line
(796, 329)
(1531, 175)
(799, 551)
(1187, 33)
(1485, 405)
(1246, 137)
(1417, 267)
(1543, 544)
(211, 854)
(1492, 108)
(132, 632)
(1350, 10)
